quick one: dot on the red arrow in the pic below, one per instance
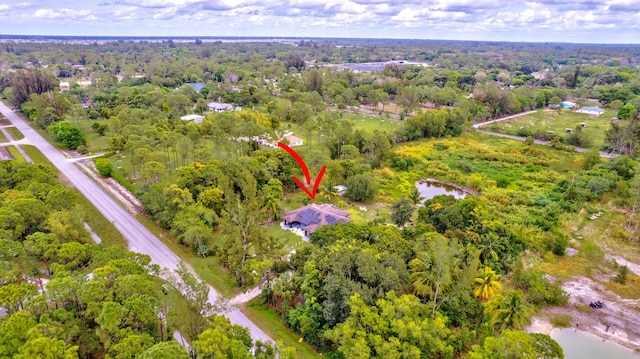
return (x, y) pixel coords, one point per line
(305, 170)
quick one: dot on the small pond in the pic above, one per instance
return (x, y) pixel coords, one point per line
(430, 189)
(578, 344)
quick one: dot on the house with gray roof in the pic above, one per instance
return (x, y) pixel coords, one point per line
(313, 216)
(221, 107)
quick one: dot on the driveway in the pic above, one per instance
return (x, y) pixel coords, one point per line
(137, 236)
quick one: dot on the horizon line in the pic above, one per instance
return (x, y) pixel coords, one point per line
(213, 37)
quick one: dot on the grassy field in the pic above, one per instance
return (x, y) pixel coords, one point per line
(269, 321)
(3, 138)
(37, 156)
(95, 142)
(14, 152)
(548, 120)
(15, 133)
(372, 123)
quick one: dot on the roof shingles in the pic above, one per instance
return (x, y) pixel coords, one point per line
(315, 215)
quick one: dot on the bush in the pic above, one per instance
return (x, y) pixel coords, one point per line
(67, 134)
(361, 187)
(622, 275)
(104, 167)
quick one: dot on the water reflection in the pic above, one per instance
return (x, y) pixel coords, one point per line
(578, 344)
(430, 189)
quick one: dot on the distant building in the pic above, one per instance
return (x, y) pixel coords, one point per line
(194, 118)
(221, 107)
(196, 86)
(342, 190)
(591, 110)
(294, 141)
(569, 104)
(309, 218)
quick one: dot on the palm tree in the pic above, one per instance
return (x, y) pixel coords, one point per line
(509, 311)
(488, 247)
(488, 284)
(415, 196)
(329, 192)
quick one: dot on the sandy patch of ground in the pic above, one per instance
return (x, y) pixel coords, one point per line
(621, 315)
(119, 192)
(633, 267)
(5, 154)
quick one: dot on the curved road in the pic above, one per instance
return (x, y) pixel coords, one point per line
(539, 142)
(139, 238)
(478, 127)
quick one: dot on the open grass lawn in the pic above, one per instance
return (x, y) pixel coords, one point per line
(269, 321)
(4, 121)
(372, 123)
(548, 120)
(37, 156)
(290, 240)
(96, 142)
(3, 138)
(15, 133)
(14, 152)
(208, 269)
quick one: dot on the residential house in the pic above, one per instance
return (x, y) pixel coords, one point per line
(313, 216)
(294, 141)
(221, 107)
(569, 104)
(591, 110)
(194, 118)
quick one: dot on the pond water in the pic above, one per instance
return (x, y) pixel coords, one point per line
(578, 344)
(429, 189)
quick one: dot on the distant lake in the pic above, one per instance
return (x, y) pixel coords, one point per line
(578, 344)
(430, 189)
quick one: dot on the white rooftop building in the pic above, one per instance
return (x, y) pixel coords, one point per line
(194, 118)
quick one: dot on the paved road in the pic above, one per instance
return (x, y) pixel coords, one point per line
(139, 238)
(545, 143)
(482, 124)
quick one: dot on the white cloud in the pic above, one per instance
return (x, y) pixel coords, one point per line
(478, 19)
(64, 14)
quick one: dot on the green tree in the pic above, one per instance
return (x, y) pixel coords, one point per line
(46, 348)
(401, 212)
(30, 81)
(165, 350)
(622, 275)
(508, 311)
(517, 344)
(13, 332)
(399, 327)
(488, 284)
(67, 134)
(196, 292)
(223, 340)
(415, 196)
(273, 194)
(627, 111)
(14, 295)
(104, 167)
(431, 270)
(361, 187)
(591, 159)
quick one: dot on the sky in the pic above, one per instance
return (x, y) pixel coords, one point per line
(580, 21)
